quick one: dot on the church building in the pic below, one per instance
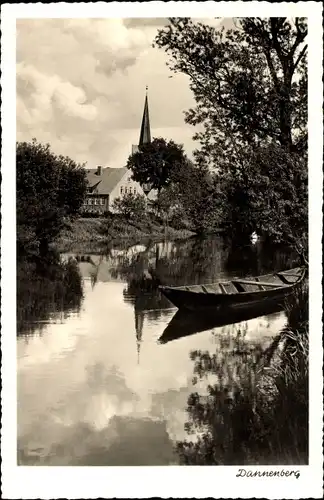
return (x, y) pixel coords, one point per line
(106, 183)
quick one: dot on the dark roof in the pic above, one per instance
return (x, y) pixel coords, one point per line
(107, 180)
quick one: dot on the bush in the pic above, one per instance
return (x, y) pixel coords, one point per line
(131, 206)
(49, 189)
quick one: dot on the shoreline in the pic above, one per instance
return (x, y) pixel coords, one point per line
(90, 234)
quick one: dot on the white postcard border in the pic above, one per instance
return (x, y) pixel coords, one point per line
(171, 481)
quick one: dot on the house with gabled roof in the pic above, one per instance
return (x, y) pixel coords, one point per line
(105, 184)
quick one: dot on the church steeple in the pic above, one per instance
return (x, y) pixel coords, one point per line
(145, 135)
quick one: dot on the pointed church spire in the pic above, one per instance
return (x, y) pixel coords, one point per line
(145, 136)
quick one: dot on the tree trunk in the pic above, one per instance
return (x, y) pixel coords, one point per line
(285, 118)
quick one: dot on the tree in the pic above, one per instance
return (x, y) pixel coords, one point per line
(269, 195)
(49, 188)
(249, 84)
(195, 195)
(131, 206)
(154, 163)
(250, 88)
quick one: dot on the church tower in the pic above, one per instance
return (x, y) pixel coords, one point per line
(145, 134)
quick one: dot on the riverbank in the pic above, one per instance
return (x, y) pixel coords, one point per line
(90, 233)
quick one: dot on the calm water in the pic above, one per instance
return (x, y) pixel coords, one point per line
(95, 387)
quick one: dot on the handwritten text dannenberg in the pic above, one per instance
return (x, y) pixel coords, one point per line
(268, 473)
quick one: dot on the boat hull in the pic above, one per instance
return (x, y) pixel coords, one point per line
(193, 300)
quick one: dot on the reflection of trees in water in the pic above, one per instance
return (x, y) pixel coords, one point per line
(189, 261)
(233, 422)
(46, 290)
(193, 261)
(258, 259)
(144, 294)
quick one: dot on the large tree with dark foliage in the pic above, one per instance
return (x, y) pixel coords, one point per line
(250, 88)
(49, 189)
(249, 83)
(155, 162)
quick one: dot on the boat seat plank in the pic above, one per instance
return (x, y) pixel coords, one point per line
(227, 287)
(261, 287)
(223, 289)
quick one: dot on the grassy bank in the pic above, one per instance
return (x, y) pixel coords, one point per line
(93, 233)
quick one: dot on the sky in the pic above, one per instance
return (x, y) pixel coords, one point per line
(81, 87)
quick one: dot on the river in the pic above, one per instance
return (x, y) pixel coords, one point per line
(95, 384)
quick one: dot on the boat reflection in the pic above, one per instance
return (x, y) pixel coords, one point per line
(185, 323)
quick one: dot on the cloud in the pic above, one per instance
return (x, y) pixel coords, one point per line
(158, 22)
(81, 86)
(47, 92)
(74, 88)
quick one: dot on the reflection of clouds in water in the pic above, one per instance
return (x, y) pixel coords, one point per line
(255, 329)
(57, 340)
(127, 441)
(81, 390)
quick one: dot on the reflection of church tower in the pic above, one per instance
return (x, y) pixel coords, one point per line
(145, 134)
(139, 321)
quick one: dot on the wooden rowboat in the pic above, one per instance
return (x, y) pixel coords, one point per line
(237, 294)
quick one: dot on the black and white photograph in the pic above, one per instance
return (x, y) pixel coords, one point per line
(164, 209)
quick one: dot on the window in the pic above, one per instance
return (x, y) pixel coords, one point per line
(125, 190)
(134, 190)
(102, 201)
(96, 201)
(89, 201)
(121, 190)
